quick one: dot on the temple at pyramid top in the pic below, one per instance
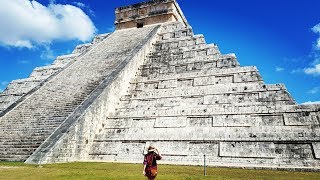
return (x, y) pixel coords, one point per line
(147, 13)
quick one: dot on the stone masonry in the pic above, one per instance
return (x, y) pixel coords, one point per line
(157, 84)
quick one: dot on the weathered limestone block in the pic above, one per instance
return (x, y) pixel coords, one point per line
(99, 38)
(65, 59)
(172, 27)
(275, 96)
(169, 122)
(167, 84)
(143, 123)
(301, 119)
(234, 121)
(200, 121)
(200, 149)
(168, 102)
(117, 123)
(82, 48)
(22, 86)
(45, 71)
(316, 149)
(247, 77)
(271, 120)
(231, 98)
(294, 151)
(173, 148)
(194, 66)
(184, 83)
(227, 63)
(200, 81)
(131, 151)
(247, 149)
(8, 98)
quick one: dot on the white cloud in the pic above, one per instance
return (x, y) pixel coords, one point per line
(311, 102)
(84, 7)
(313, 70)
(79, 4)
(47, 54)
(316, 29)
(279, 69)
(27, 23)
(314, 90)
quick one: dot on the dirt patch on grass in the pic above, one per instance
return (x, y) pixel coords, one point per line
(8, 167)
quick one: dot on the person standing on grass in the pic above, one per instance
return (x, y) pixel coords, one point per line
(150, 163)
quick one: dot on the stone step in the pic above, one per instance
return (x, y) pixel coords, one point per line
(206, 73)
(208, 110)
(250, 120)
(82, 48)
(185, 81)
(153, 71)
(188, 102)
(209, 61)
(66, 59)
(223, 120)
(199, 109)
(197, 37)
(184, 32)
(196, 41)
(99, 38)
(172, 27)
(216, 89)
(46, 71)
(265, 133)
(187, 52)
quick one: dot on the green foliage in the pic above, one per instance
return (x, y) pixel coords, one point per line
(82, 170)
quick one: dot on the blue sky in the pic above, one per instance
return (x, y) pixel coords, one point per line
(281, 38)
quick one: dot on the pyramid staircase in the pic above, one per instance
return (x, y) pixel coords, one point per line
(46, 105)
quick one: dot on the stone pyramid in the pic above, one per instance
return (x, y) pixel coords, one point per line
(153, 81)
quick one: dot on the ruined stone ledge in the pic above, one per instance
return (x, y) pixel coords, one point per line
(214, 110)
(177, 40)
(229, 134)
(229, 88)
(177, 31)
(209, 72)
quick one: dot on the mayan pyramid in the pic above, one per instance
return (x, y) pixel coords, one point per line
(152, 81)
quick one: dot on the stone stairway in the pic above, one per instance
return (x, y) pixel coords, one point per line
(18, 90)
(190, 100)
(25, 127)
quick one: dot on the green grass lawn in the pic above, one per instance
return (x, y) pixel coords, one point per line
(15, 170)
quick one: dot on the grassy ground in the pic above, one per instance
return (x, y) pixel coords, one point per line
(134, 171)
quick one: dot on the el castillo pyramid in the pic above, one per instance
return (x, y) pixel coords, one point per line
(152, 81)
